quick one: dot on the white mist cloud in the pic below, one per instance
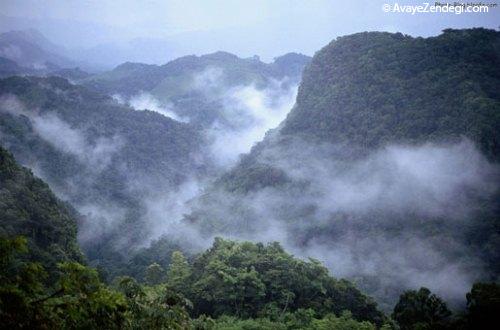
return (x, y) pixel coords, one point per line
(250, 112)
(209, 79)
(100, 219)
(166, 209)
(364, 216)
(70, 140)
(146, 101)
(11, 104)
(96, 154)
(429, 179)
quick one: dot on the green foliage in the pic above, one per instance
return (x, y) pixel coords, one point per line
(143, 144)
(421, 310)
(29, 208)
(178, 273)
(76, 300)
(154, 274)
(483, 305)
(154, 307)
(301, 319)
(250, 280)
(82, 301)
(369, 89)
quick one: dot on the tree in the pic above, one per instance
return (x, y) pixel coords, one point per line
(154, 274)
(421, 310)
(76, 300)
(252, 280)
(82, 301)
(483, 305)
(178, 272)
(155, 307)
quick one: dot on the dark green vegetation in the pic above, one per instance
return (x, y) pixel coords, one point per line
(248, 280)
(370, 89)
(360, 94)
(194, 85)
(239, 280)
(238, 287)
(78, 300)
(421, 309)
(95, 153)
(75, 300)
(29, 208)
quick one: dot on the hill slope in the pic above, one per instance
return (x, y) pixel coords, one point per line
(195, 86)
(29, 208)
(371, 89)
(380, 160)
(32, 50)
(108, 160)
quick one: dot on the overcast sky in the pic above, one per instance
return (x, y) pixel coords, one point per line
(263, 27)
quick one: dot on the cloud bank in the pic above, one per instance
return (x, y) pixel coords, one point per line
(369, 218)
(146, 101)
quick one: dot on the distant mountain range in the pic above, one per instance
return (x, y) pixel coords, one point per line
(106, 158)
(386, 166)
(30, 49)
(195, 86)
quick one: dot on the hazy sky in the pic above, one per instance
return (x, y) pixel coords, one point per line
(264, 27)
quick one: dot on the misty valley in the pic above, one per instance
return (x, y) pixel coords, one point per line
(354, 189)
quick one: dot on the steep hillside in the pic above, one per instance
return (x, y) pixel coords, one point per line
(108, 160)
(391, 150)
(371, 89)
(29, 208)
(246, 280)
(195, 86)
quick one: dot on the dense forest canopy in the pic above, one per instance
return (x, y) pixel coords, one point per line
(30, 209)
(371, 89)
(110, 159)
(392, 144)
(369, 201)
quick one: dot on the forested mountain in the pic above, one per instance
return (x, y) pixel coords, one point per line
(243, 279)
(229, 286)
(131, 78)
(371, 89)
(106, 159)
(195, 86)
(30, 209)
(382, 181)
(391, 149)
(119, 167)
